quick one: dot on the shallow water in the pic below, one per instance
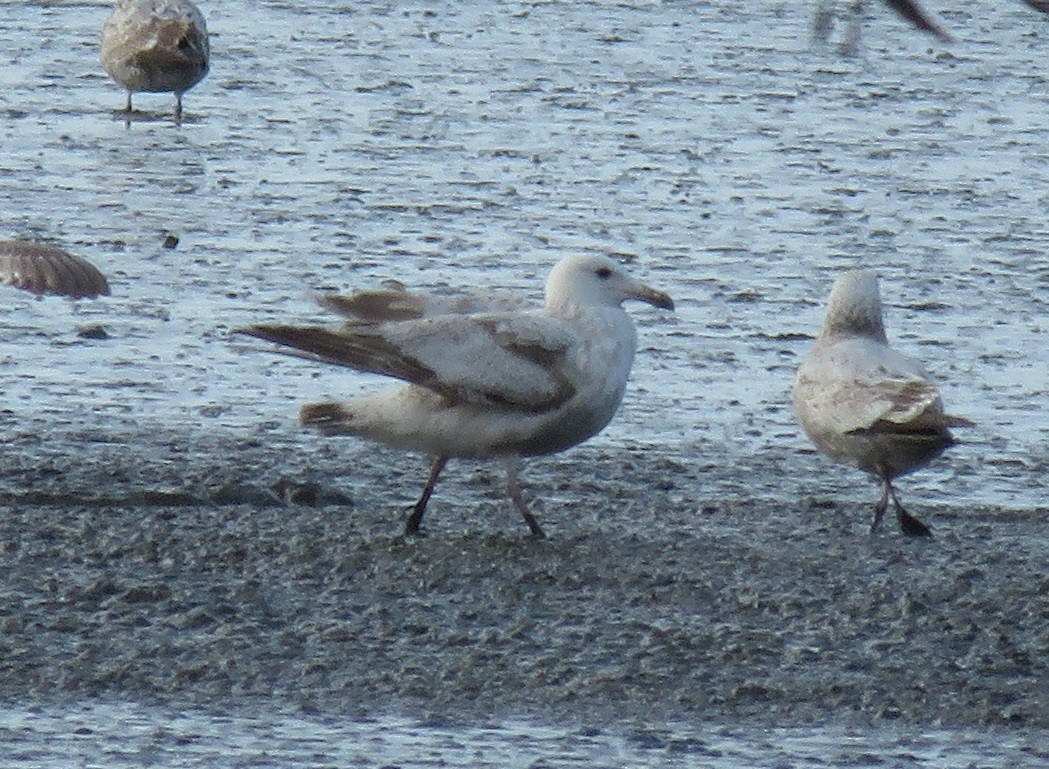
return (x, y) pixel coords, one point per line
(334, 144)
(473, 143)
(119, 735)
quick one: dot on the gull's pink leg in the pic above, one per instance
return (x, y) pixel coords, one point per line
(513, 489)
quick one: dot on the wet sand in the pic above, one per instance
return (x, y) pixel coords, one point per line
(652, 600)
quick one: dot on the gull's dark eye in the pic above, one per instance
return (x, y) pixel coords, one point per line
(604, 273)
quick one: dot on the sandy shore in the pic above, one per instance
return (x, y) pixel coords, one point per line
(180, 574)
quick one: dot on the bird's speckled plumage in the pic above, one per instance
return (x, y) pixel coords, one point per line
(863, 403)
(156, 45)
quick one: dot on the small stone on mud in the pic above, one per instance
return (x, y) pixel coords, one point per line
(94, 331)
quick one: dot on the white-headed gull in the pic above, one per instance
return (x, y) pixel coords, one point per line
(863, 403)
(487, 376)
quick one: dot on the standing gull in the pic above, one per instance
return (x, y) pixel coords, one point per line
(486, 377)
(864, 404)
(43, 269)
(157, 46)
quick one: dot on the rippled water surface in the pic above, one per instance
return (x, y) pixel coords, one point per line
(734, 162)
(740, 166)
(131, 736)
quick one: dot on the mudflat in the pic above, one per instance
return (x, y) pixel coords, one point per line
(220, 571)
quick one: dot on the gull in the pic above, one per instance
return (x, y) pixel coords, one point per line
(865, 404)
(488, 375)
(157, 46)
(43, 269)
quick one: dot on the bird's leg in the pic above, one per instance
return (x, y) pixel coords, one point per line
(178, 108)
(411, 527)
(513, 490)
(909, 525)
(882, 504)
(823, 21)
(128, 107)
(850, 46)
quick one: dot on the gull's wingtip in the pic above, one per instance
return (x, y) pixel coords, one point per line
(916, 15)
(664, 302)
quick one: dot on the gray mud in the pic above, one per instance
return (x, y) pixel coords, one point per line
(651, 600)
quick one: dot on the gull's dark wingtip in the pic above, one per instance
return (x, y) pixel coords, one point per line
(916, 15)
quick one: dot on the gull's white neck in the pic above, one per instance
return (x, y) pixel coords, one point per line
(854, 307)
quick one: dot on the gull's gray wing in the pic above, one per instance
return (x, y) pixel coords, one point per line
(516, 360)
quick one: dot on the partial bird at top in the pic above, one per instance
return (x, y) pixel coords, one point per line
(920, 18)
(910, 10)
(488, 375)
(156, 45)
(43, 269)
(826, 15)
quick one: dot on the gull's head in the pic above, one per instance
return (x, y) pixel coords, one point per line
(854, 307)
(593, 279)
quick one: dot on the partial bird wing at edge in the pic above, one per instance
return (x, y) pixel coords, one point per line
(44, 269)
(916, 15)
(1039, 5)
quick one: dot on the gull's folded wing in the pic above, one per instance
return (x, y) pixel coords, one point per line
(515, 360)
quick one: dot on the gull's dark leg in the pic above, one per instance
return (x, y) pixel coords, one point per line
(416, 518)
(882, 504)
(178, 108)
(128, 107)
(513, 490)
(909, 525)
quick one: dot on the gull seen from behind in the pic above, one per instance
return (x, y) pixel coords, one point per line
(156, 45)
(865, 404)
(488, 376)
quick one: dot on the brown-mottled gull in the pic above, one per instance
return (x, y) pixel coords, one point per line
(863, 403)
(156, 45)
(487, 377)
